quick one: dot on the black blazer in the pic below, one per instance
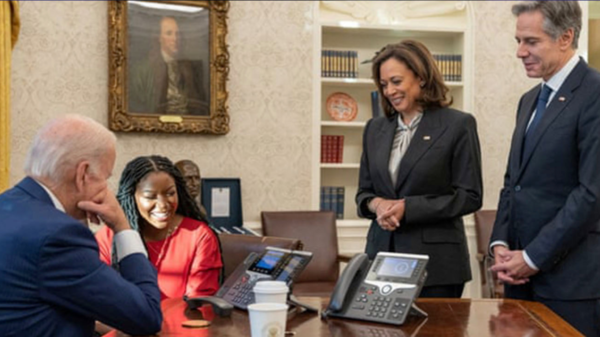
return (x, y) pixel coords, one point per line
(550, 202)
(440, 180)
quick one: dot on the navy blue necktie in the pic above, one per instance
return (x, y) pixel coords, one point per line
(539, 113)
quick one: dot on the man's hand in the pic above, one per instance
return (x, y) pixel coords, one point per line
(511, 266)
(105, 207)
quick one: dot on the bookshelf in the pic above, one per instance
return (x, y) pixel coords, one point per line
(365, 28)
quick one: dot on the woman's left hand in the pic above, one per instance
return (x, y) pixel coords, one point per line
(392, 212)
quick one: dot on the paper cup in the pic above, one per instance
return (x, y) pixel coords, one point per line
(267, 319)
(270, 292)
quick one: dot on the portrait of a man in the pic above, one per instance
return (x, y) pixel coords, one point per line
(168, 59)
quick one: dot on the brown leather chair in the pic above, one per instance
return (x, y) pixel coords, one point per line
(484, 223)
(236, 247)
(318, 232)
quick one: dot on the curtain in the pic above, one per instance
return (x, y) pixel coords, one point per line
(9, 31)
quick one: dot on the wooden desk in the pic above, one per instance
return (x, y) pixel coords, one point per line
(447, 317)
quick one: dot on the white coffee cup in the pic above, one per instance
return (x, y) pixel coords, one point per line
(267, 319)
(270, 292)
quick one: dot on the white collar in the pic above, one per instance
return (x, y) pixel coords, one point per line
(53, 197)
(168, 58)
(557, 80)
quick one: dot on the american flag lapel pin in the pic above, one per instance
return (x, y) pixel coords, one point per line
(562, 99)
(426, 138)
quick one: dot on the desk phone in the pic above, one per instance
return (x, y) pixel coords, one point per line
(275, 264)
(382, 291)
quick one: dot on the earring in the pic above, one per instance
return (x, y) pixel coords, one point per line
(422, 84)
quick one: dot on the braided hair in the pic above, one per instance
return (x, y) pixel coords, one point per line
(138, 169)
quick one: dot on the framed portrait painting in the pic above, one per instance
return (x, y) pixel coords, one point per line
(168, 66)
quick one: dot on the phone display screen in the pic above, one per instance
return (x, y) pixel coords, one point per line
(397, 267)
(267, 262)
(289, 268)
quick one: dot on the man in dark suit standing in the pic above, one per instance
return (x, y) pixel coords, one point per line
(546, 238)
(53, 282)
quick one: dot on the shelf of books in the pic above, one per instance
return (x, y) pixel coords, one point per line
(346, 96)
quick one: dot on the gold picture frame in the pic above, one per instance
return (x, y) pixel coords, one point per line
(159, 81)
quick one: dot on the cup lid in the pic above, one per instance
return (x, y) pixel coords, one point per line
(267, 307)
(270, 287)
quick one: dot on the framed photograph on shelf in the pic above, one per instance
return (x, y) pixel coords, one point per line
(168, 66)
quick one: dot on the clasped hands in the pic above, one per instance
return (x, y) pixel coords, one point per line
(389, 212)
(510, 266)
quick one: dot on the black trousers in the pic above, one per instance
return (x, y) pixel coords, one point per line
(583, 315)
(450, 290)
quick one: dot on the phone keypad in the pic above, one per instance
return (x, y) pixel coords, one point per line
(241, 294)
(399, 308)
(380, 308)
(244, 294)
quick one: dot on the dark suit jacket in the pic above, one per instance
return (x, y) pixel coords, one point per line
(440, 180)
(550, 203)
(51, 278)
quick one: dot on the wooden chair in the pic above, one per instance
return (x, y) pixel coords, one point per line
(484, 223)
(317, 230)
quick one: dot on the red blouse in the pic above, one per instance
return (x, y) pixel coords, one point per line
(190, 261)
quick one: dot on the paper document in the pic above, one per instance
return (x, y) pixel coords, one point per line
(220, 202)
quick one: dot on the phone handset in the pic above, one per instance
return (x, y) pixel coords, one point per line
(219, 305)
(358, 263)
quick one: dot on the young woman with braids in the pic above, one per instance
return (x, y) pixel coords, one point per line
(180, 244)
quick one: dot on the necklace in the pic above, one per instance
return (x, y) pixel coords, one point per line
(164, 244)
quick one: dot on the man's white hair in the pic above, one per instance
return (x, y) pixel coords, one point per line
(64, 142)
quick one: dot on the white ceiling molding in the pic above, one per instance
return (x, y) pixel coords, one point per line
(394, 12)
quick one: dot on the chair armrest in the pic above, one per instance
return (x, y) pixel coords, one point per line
(344, 258)
(494, 287)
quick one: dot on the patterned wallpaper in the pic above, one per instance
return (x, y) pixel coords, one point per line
(500, 81)
(60, 66)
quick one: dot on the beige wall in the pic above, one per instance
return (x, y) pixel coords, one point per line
(499, 83)
(60, 66)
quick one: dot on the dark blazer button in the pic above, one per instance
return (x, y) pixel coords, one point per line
(517, 188)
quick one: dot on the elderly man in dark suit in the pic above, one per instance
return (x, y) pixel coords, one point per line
(546, 238)
(53, 282)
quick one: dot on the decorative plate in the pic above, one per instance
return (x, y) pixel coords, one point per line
(341, 107)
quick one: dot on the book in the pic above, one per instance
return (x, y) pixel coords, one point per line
(339, 63)
(332, 199)
(326, 198)
(376, 108)
(339, 204)
(450, 66)
(323, 148)
(332, 149)
(339, 149)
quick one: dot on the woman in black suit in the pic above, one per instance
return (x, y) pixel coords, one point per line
(420, 170)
